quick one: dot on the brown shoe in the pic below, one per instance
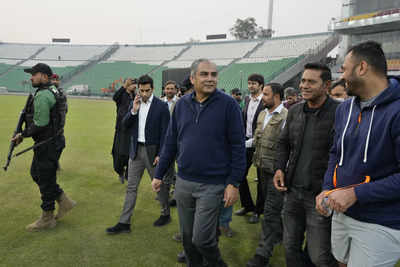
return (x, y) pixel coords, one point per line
(65, 205)
(46, 221)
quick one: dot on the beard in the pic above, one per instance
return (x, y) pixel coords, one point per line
(36, 84)
(353, 84)
(269, 105)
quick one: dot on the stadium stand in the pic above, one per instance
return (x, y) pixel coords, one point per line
(151, 54)
(218, 50)
(393, 64)
(286, 47)
(17, 51)
(102, 68)
(5, 64)
(236, 75)
(17, 80)
(222, 53)
(71, 52)
(105, 75)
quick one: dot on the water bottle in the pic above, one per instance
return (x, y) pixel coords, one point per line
(328, 210)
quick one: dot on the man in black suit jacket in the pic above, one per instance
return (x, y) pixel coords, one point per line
(253, 107)
(147, 121)
(120, 151)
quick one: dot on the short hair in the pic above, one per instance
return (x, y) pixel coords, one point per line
(170, 82)
(187, 83)
(134, 80)
(256, 78)
(235, 91)
(326, 74)
(340, 82)
(195, 65)
(290, 91)
(372, 53)
(277, 89)
(146, 79)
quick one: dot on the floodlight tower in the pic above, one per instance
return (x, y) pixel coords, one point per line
(270, 14)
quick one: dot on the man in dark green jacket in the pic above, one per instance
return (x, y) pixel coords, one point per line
(41, 125)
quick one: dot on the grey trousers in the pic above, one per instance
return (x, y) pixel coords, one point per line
(198, 209)
(136, 169)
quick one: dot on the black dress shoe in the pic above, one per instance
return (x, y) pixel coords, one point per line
(119, 228)
(172, 203)
(181, 257)
(163, 220)
(257, 261)
(242, 212)
(255, 218)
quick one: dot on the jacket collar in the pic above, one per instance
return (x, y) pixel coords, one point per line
(325, 106)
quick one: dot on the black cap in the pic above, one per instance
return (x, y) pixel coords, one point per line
(40, 67)
(236, 91)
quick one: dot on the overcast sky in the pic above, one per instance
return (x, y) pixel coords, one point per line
(151, 21)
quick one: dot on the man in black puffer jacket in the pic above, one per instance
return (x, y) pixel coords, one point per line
(303, 153)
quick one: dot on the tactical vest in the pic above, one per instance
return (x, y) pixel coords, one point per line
(51, 128)
(265, 140)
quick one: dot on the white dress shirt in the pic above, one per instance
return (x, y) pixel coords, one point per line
(270, 114)
(143, 112)
(170, 102)
(251, 112)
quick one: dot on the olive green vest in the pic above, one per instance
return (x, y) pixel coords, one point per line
(265, 140)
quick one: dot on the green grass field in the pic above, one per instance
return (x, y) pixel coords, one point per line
(87, 176)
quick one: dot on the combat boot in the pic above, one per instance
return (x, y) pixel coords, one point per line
(46, 221)
(65, 204)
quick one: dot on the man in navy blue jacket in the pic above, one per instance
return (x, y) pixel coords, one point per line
(362, 183)
(147, 120)
(206, 134)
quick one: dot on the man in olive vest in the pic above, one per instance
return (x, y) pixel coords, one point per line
(270, 122)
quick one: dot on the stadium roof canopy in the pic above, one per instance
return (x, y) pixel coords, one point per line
(376, 24)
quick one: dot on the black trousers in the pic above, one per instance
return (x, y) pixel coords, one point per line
(271, 225)
(120, 152)
(299, 216)
(244, 190)
(43, 172)
(60, 145)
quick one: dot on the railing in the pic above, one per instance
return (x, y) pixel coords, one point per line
(311, 55)
(91, 62)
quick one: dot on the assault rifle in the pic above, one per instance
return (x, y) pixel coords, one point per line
(18, 129)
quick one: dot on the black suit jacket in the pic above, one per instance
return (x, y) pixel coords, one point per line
(156, 126)
(122, 100)
(258, 110)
